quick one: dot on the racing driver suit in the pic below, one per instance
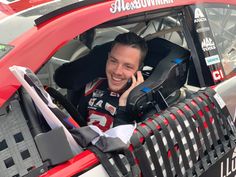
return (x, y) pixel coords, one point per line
(100, 106)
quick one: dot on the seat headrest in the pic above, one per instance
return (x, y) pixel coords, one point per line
(158, 49)
(169, 75)
(77, 74)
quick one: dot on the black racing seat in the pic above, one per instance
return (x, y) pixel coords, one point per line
(165, 81)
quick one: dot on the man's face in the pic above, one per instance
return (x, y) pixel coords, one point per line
(123, 61)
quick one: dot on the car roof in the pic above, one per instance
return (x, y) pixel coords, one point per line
(26, 13)
(30, 28)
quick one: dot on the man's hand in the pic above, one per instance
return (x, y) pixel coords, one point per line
(135, 82)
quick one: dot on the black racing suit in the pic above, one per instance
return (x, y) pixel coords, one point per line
(100, 106)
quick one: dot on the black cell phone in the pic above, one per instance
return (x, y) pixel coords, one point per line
(129, 82)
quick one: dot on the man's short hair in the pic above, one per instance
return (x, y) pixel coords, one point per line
(133, 40)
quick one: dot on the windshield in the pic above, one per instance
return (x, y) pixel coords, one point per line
(222, 23)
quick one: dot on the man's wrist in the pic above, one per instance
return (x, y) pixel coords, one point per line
(122, 103)
(122, 108)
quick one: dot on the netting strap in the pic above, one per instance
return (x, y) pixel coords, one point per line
(181, 119)
(161, 146)
(103, 158)
(141, 156)
(170, 143)
(152, 151)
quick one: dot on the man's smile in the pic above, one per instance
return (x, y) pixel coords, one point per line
(116, 80)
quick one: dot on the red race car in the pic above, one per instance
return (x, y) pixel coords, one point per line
(187, 101)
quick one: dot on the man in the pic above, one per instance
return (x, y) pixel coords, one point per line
(104, 100)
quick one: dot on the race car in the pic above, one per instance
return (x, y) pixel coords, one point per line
(187, 100)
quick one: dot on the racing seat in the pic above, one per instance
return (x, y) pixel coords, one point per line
(162, 87)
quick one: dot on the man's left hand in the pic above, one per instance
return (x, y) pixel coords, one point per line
(135, 82)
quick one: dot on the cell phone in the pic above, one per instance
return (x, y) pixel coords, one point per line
(129, 82)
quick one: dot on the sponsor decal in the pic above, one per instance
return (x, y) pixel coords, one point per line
(98, 93)
(95, 103)
(122, 6)
(203, 29)
(199, 16)
(217, 75)
(219, 100)
(99, 103)
(228, 166)
(208, 44)
(114, 94)
(212, 60)
(92, 101)
(110, 108)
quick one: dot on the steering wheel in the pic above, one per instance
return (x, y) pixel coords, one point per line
(68, 106)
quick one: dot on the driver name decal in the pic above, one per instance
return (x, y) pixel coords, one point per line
(121, 5)
(228, 166)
